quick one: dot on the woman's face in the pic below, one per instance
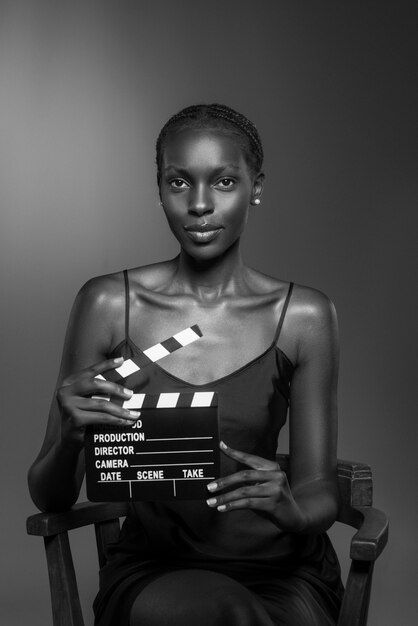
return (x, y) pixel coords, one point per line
(206, 189)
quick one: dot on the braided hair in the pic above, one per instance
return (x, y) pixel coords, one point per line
(215, 117)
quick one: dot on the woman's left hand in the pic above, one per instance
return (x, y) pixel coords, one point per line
(263, 488)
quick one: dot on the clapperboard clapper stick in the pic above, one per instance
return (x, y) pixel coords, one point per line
(171, 452)
(151, 355)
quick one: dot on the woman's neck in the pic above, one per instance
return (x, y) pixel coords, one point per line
(209, 280)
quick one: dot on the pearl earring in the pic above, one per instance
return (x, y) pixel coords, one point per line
(257, 201)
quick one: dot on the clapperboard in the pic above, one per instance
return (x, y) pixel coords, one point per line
(171, 451)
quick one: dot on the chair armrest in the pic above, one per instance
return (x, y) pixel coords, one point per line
(82, 514)
(372, 534)
(355, 485)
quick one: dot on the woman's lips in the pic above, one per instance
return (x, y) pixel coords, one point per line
(205, 236)
(203, 233)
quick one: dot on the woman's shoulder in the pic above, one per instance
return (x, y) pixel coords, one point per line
(106, 294)
(310, 325)
(304, 301)
(310, 303)
(108, 287)
(98, 307)
(310, 317)
(104, 291)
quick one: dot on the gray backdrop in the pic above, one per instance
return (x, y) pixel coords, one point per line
(85, 87)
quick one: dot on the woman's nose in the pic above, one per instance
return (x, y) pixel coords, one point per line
(201, 202)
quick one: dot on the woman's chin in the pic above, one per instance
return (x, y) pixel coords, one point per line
(207, 254)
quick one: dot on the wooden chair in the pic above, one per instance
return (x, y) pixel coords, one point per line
(355, 490)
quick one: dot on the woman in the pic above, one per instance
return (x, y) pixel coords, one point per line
(256, 551)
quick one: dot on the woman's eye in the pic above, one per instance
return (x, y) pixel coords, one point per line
(225, 183)
(178, 183)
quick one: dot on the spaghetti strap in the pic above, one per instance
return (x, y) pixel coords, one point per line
(282, 316)
(127, 303)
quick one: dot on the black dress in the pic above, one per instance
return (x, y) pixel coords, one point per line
(160, 537)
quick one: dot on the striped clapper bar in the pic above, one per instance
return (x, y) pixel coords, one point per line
(171, 452)
(150, 355)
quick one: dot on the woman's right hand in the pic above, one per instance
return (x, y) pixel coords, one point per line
(79, 409)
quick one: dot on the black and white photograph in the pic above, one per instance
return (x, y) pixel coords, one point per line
(208, 218)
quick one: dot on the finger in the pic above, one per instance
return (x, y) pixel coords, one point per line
(95, 370)
(256, 504)
(95, 386)
(103, 366)
(92, 418)
(245, 477)
(106, 407)
(260, 490)
(256, 462)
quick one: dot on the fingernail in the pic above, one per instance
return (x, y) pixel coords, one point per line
(118, 359)
(134, 413)
(221, 508)
(128, 392)
(212, 486)
(211, 501)
(223, 445)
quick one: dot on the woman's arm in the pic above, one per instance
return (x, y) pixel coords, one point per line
(309, 503)
(96, 318)
(313, 411)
